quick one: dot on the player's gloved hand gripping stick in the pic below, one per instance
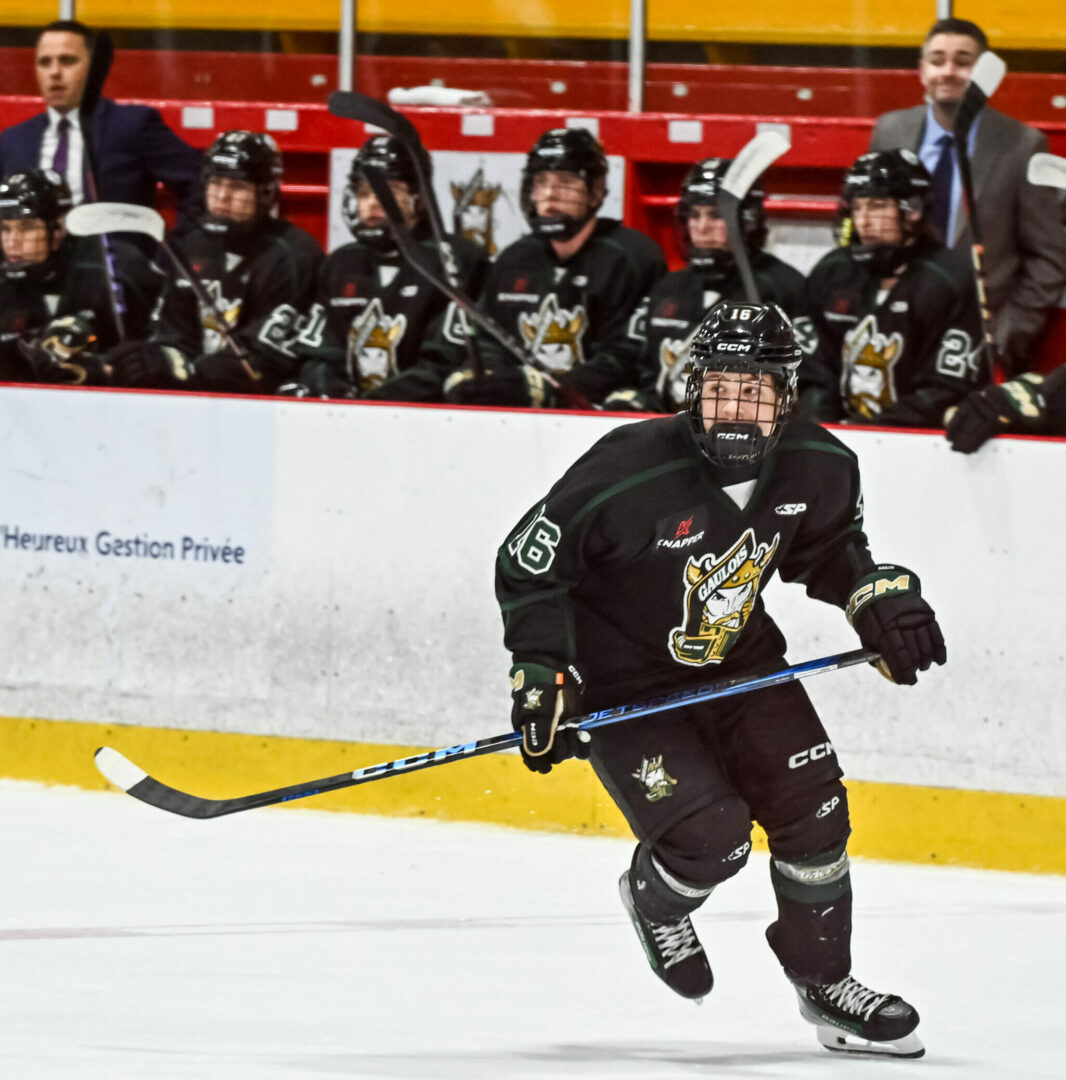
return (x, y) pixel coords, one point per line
(136, 782)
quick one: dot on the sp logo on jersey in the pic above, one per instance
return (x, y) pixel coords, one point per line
(720, 595)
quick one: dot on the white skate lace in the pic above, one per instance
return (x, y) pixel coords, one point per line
(853, 997)
(677, 941)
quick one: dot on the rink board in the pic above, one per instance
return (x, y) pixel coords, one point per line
(323, 571)
(944, 826)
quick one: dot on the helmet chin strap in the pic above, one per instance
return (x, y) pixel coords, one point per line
(559, 226)
(710, 260)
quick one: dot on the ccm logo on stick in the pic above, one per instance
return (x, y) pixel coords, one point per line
(797, 761)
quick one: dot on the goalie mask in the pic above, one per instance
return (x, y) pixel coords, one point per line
(701, 187)
(742, 381)
(896, 175)
(565, 150)
(388, 155)
(245, 156)
(27, 197)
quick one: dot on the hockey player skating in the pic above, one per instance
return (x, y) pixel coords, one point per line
(56, 320)
(259, 270)
(641, 570)
(372, 310)
(894, 311)
(679, 300)
(566, 291)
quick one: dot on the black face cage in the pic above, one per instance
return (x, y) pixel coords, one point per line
(732, 442)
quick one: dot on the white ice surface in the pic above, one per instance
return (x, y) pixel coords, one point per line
(135, 944)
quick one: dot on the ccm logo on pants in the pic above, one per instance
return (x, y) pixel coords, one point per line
(820, 751)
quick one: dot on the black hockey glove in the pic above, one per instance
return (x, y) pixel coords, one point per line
(63, 352)
(542, 700)
(317, 378)
(522, 385)
(148, 366)
(888, 613)
(1017, 405)
(225, 373)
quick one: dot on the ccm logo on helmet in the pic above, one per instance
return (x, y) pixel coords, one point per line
(797, 761)
(733, 346)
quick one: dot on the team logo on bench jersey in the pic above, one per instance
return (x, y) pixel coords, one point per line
(554, 334)
(868, 380)
(373, 339)
(720, 593)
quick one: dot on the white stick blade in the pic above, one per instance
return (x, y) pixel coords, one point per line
(752, 161)
(1047, 170)
(94, 219)
(988, 73)
(117, 769)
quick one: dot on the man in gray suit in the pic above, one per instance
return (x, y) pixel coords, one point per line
(1021, 224)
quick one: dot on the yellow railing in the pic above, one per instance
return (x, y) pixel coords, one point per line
(859, 22)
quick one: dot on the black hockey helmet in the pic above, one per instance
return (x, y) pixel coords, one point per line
(244, 155)
(574, 150)
(34, 194)
(701, 187)
(886, 174)
(389, 155)
(750, 341)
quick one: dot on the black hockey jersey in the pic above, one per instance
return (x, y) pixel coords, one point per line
(575, 314)
(364, 335)
(263, 284)
(639, 569)
(76, 282)
(900, 357)
(665, 321)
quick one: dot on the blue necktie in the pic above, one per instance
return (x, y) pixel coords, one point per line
(59, 162)
(943, 174)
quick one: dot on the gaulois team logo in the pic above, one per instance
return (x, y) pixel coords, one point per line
(868, 380)
(656, 781)
(554, 334)
(373, 339)
(212, 328)
(475, 207)
(719, 597)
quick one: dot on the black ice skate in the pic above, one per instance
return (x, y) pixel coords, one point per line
(672, 948)
(853, 1019)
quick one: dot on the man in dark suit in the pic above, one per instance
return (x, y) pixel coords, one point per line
(1021, 224)
(134, 147)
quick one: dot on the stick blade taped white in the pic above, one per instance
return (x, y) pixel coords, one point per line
(117, 769)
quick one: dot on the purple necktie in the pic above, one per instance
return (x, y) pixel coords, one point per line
(59, 162)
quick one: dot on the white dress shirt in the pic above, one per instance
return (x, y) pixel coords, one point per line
(75, 151)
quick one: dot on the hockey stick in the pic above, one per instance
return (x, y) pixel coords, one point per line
(985, 78)
(100, 60)
(99, 218)
(349, 105)
(410, 249)
(1047, 170)
(752, 161)
(122, 772)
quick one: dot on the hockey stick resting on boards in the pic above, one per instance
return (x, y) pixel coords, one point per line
(122, 772)
(754, 159)
(985, 78)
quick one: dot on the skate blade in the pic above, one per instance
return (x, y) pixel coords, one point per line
(909, 1046)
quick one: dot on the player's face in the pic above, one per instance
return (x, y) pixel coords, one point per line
(706, 229)
(25, 240)
(558, 194)
(62, 64)
(877, 220)
(234, 200)
(370, 211)
(945, 67)
(732, 396)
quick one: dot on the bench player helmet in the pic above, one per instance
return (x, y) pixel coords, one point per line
(752, 341)
(388, 154)
(244, 155)
(36, 193)
(701, 187)
(574, 150)
(887, 174)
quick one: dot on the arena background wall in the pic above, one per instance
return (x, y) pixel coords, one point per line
(250, 593)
